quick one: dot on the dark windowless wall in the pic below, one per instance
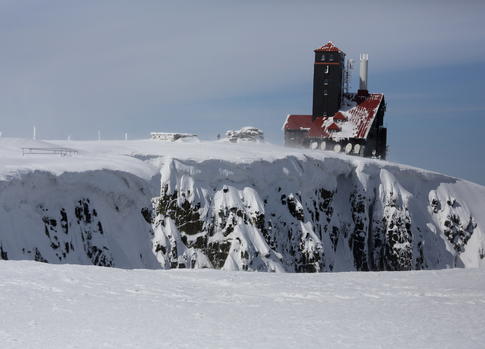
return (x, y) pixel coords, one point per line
(327, 83)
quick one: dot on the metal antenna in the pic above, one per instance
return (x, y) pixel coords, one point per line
(348, 75)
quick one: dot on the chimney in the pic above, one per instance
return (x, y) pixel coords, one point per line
(364, 59)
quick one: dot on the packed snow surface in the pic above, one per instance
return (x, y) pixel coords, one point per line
(70, 306)
(131, 155)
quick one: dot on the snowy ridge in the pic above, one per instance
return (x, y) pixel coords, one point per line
(146, 204)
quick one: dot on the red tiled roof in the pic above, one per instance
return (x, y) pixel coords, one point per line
(364, 113)
(328, 47)
(333, 127)
(359, 119)
(339, 117)
(318, 130)
(298, 122)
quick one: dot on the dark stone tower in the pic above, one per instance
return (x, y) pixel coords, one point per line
(328, 80)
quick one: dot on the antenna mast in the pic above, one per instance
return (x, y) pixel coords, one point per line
(348, 75)
(364, 61)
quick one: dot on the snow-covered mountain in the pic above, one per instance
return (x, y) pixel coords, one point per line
(149, 204)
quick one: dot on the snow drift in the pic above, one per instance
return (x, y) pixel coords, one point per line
(73, 306)
(143, 204)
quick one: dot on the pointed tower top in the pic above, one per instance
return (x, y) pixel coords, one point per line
(328, 47)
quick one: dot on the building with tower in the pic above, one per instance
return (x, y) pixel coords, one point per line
(340, 120)
(328, 80)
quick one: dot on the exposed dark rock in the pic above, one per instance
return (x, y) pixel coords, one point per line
(186, 215)
(217, 253)
(147, 214)
(436, 205)
(295, 208)
(3, 254)
(358, 238)
(38, 256)
(457, 233)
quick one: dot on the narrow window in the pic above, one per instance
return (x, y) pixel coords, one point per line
(323, 57)
(325, 93)
(326, 69)
(325, 82)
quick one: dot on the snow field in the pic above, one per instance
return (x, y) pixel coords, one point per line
(70, 306)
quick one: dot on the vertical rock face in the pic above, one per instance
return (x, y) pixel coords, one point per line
(308, 216)
(89, 227)
(392, 238)
(293, 215)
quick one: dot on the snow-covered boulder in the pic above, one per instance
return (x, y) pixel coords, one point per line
(245, 134)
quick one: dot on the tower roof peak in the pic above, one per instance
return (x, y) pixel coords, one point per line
(328, 47)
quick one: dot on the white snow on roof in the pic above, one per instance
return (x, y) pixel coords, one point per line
(354, 115)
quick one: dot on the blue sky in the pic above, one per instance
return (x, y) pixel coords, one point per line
(73, 67)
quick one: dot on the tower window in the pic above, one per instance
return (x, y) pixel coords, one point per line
(325, 82)
(331, 58)
(325, 92)
(326, 69)
(323, 57)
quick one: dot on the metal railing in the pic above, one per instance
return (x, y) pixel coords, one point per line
(49, 151)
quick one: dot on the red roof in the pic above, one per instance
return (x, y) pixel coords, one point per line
(318, 129)
(359, 120)
(328, 47)
(339, 117)
(333, 127)
(364, 113)
(298, 122)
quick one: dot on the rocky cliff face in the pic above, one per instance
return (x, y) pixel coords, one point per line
(290, 214)
(310, 216)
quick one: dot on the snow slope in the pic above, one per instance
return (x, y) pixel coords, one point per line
(70, 306)
(150, 204)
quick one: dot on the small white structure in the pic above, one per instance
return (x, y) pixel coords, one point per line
(172, 136)
(245, 134)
